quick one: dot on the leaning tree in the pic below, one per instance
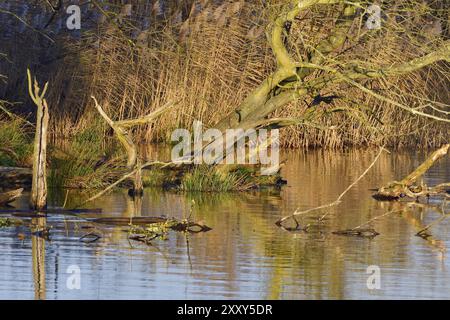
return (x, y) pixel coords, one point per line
(370, 52)
(342, 56)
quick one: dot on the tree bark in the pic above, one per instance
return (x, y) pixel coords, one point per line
(121, 129)
(38, 199)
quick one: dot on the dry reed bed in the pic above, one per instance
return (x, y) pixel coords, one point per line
(210, 56)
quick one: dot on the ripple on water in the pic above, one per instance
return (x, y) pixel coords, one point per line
(246, 255)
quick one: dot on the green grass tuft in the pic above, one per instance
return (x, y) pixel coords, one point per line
(86, 162)
(16, 146)
(209, 179)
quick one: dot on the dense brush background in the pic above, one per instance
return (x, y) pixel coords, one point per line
(135, 56)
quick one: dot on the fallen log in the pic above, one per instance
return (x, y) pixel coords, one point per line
(150, 232)
(408, 187)
(151, 222)
(13, 177)
(10, 196)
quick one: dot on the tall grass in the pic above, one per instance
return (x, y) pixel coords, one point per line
(85, 161)
(210, 56)
(16, 144)
(208, 179)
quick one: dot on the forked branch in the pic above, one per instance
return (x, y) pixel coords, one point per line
(121, 129)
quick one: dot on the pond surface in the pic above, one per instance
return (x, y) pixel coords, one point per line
(245, 255)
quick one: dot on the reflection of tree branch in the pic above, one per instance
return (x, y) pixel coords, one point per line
(331, 204)
(442, 218)
(375, 218)
(186, 234)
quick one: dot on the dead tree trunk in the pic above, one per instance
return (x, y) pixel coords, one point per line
(38, 199)
(123, 135)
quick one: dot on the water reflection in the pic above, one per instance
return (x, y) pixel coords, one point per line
(245, 255)
(38, 229)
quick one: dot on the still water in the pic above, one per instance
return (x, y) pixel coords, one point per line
(246, 256)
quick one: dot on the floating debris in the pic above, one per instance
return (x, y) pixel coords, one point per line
(148, 232)
(8, 222)
(90, 237)
(155, 222)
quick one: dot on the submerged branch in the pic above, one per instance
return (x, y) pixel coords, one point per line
(125, 177)
(123, 135)
(331, 204)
